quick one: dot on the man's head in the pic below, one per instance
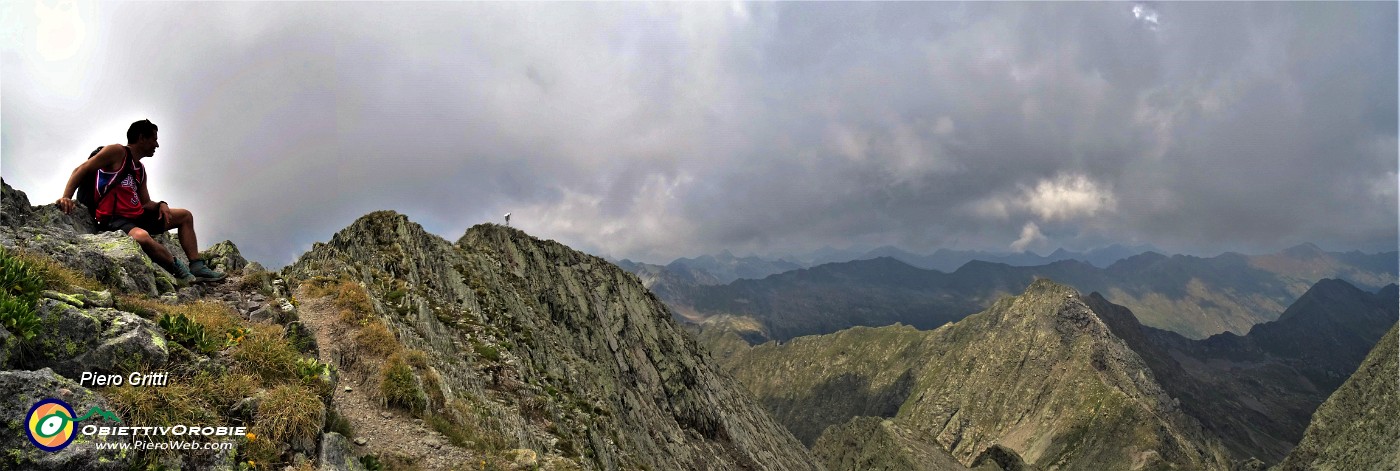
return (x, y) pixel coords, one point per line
(141, 137)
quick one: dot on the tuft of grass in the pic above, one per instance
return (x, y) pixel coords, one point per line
(174, 404)
(346, 295)
(395, 295)
(486, 351)
(390, 462)
(416, 358)
(147, 308)
(375, 339)
(466, 429)
(260, 282)
(432, 383)
(289, 413)
(399, 386)
(266, 354)
(222, 391)
(214, 317)
(56, 276)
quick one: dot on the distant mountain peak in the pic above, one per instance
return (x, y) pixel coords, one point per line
(1304, 250)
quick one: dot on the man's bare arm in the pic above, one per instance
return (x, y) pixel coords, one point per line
(107, 157)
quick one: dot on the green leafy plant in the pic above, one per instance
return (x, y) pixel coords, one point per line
(235, 336)
(190, 334)
(18, 317)
(20, 286)
(310, 369)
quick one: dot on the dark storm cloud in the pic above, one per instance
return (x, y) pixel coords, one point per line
(659, 130)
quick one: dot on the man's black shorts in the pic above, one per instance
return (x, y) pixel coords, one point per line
(149, 220)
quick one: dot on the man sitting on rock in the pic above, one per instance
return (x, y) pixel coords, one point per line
(126, 205)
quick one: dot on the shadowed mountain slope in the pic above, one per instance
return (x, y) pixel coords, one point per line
(1358, 428)
(1038, 377)
(1258, 391)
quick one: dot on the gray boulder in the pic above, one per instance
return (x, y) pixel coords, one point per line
(19, 391)
(224, 257)
(74, 340)
(14, 206)
(336, 454)
(94, 298)
(17, 212)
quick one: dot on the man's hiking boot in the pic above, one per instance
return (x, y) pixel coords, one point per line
(182, 274)
(202, 272)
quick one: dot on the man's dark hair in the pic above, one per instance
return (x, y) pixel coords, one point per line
(140, 129)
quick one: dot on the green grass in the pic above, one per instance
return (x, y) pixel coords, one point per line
(486, 351)
(20, 285)
(399, 386)
(266, 354)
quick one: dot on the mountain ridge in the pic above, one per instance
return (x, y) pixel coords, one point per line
(1195, 296)
(562, 329)
(1037, 374)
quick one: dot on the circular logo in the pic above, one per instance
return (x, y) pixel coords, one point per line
(50, 424)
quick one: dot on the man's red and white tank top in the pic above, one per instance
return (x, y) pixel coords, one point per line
(125, 198)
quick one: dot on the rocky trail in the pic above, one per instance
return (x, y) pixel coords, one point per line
(379, 431)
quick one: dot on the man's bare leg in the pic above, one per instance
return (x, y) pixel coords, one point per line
(183, 220)
(153, 249)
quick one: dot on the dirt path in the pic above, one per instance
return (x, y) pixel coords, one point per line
(382, 431)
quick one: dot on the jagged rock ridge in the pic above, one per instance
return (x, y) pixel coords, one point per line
(594, 358)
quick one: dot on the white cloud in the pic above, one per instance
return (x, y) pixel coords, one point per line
(1068, 196)
(1030, 234)
(650, 220)
(1147, 15)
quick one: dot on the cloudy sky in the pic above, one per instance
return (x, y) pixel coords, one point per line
(651, 131)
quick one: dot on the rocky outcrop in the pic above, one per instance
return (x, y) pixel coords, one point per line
(876, 444)
(337, 455)
(224, 257)
(566, 353)
(76, 324)
(1358, 428)
(111, 258)
(100, 340)
(19, 391)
